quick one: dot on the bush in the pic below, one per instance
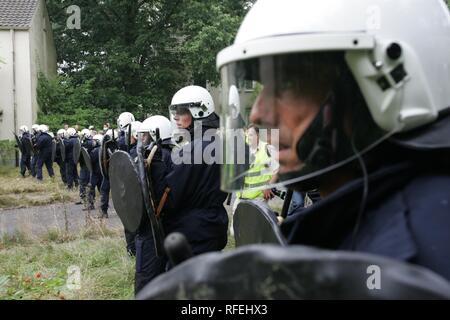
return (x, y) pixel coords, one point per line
(62, 101)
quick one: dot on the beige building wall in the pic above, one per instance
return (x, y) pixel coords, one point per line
(43, 52)
(34, 52)
(14, 42)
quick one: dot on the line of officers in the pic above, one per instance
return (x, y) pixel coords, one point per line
(41, 147)
(193, 202)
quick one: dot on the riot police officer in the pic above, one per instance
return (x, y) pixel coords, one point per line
(24, 134)
(123, 122)
(71, 168)
(362, 113)
(44, 145)
(60, 136)
(87, 143)
(95, 180)
(155, 129)
(195, 202)
(34, 135)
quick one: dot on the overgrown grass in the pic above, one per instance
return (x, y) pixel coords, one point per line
(39, 268)
(16, 191)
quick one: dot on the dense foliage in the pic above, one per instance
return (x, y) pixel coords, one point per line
(132, 55)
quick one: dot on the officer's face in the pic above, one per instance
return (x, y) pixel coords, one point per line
(292, 115)
(252, 138)
(183, 119)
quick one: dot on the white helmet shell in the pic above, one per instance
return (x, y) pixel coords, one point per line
(153, 123)
(61, 133)
(197, 99)
(98, 137)
(43, 128)
(109, 133)
(71, 132)
(135, 125)
(23, 129)
(125, 119)
(401, 66)
(35, 127)
(86, 133)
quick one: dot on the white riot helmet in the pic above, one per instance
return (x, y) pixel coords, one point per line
(155, 123)
(61, 133)
(51, 134)
(23, 129)
(43, 128)
(134, 128)
(71, 132)
(124, 120)
(401, 68)
(98, 138)
(110, 133)
(35, 128)
(86, 133)
(195, 99)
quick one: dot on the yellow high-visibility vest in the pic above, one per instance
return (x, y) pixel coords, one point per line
(259, 174)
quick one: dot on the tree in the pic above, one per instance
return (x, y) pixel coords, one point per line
(140, 52)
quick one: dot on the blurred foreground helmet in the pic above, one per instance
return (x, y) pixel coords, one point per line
(124, 120)
(195, 99)
(362, 54)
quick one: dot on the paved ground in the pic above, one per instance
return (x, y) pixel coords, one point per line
(62, 216)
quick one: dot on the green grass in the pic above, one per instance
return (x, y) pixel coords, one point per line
(16, 191)
(37, 267)
(40, 270)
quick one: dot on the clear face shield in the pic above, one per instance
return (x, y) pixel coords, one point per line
(310, 120)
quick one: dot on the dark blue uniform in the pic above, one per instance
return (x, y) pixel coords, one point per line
(88, 144)
(35, 156)
(195, 203)
(71, 168)
(121, 142)
(194, 206)
(25, 159)
(44, 145)
(60, 162)
(148, 265)
(96, 175)
(130, 236)
(407, 217)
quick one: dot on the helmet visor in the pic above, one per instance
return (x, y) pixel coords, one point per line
(305, 115)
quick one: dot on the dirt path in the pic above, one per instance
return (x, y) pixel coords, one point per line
(61, 216)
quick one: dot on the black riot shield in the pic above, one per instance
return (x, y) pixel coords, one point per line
(76, 151)
(255, 223)
(295, 272)
(107, 148)
(19, 143)
(27, 145)
(126, 190)
(86, 159)
(54, 145)
(149, 205)
(62, 148)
